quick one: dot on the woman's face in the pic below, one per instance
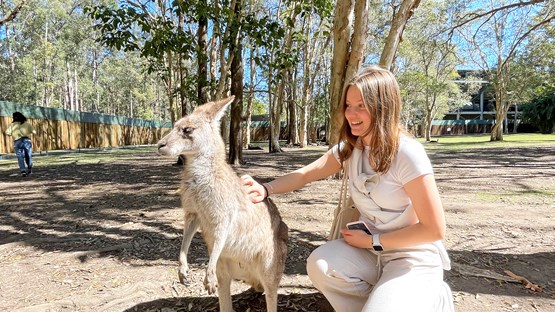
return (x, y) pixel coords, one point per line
(356, 113)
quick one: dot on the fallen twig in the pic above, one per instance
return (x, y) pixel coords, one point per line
(525, 281)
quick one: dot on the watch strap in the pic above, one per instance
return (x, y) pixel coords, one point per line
(376, 242)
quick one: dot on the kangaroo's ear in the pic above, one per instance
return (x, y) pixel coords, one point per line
(214, 110)
(221, 106)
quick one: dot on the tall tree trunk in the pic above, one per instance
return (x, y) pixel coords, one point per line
(280, 88)
(96, 108)
(76, 89)
(276, 113)
(95, 64)
(69, 103)
(202, 61)
(271, 144)
(45, 70)
(224, 60)
(400, 19)
(169, 86)
(347, 56)
(248, 111)
(36, 82)
(497, 130)
(236, 49)
(292, 106)
(305, 98)
(213, 48)
(131, 113)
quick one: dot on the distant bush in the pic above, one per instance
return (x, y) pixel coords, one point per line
(540, 111)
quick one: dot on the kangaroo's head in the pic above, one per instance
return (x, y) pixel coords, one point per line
(196, 131)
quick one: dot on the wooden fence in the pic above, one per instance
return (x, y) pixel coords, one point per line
(59, 129)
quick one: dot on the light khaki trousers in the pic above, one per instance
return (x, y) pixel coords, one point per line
(355, 279)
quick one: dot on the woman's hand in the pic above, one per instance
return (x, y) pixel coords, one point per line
(357, 238)
(255, 190)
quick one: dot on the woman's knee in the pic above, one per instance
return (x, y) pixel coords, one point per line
(315, 267)
(336, 259)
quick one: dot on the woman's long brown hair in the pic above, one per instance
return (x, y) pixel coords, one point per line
(381, 95)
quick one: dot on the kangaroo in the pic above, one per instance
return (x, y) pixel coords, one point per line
(245, 241)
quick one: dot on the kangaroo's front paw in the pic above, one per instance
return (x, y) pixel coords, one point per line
(183, 272)
(211, 282)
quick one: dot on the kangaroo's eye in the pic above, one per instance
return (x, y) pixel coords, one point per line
(187, 130)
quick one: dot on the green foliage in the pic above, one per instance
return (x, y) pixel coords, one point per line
(540, 111)
(129, 30)
(258, 107)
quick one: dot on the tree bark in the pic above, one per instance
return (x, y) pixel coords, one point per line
(202, 61)
(341, 47)
(292, 106)
(236, 49)
(76, 89)
(248, 111)
(395, 34)
(307, 55)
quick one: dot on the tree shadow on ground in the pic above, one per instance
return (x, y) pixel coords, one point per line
(245, 301)
(111, 209)
(475, 272)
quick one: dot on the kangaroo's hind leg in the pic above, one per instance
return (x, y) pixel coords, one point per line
(271, 286)
(223, 274)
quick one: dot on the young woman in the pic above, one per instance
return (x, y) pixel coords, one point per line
(20, 130)
(400, 266)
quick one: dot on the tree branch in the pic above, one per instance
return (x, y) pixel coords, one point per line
(474, 16)
(526, 34)
(13, 14)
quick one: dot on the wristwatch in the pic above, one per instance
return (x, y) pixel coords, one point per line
(376, 242)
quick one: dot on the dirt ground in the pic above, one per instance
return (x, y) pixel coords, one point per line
(98, 234)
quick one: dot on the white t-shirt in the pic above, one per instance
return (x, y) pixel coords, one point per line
(389, 194)
(390, 207)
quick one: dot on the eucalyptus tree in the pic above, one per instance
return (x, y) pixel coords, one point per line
(152, 29)
(39, 48)
(509, 23)
(429, 64)
(349, 35)
(167, 34)
(315, 47)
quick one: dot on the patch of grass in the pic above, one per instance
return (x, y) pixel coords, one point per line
(481, 141)
(93, 156)
(492, 197)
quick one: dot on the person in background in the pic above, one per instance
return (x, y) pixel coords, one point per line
(399, 266)
(20, 130)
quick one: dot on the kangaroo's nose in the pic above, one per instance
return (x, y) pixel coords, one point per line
(161, 144)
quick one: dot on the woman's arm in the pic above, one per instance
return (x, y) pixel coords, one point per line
(321, 168)
(425, 199)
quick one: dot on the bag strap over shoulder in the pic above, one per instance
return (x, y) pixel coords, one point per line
(345, 211)
(344, 186)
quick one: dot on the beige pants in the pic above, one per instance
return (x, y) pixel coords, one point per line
(354, 279)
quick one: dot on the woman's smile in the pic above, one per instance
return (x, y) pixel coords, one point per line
(356, 112)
